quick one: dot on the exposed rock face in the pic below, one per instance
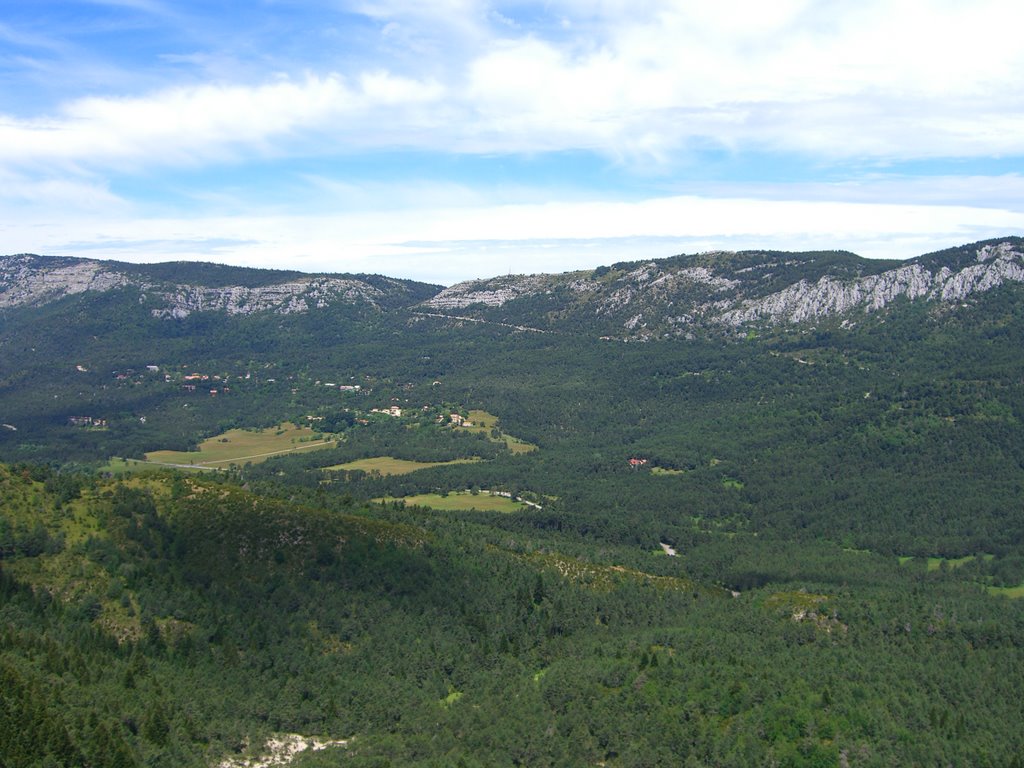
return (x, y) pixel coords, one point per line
(282, 299)
(728, 291)
(491, 293)
(806, 301)
(679, 296)
(24, 281)
(27, 280)
(647, 278)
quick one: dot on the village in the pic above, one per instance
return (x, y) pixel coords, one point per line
(326, 404)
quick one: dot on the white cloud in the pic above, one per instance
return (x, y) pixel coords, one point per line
(206, 123)
(643, 81)
(24, 197)
(476, 239)
(894, 80)
(1004, 192)
(903, 78)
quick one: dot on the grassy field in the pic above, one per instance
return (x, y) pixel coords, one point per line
(485, 422)
(1011, 592)
(666, 471)
(118, 466)
(934, 563)
(462, 501)
(240, 446)
(385, 465)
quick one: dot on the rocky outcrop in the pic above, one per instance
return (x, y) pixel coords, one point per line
(728, 291)
(996, 265)
(282, 299)
(494, 292)
(679, 296)
(24, 281)
(27, 280)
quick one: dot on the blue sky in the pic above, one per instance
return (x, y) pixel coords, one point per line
(454, 139)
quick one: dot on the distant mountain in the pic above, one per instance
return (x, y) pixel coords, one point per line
(179, 289)
(725, 291)
(682, 296)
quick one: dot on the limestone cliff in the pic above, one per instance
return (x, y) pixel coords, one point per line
(27, 280)
(716, 292)
(728, 291)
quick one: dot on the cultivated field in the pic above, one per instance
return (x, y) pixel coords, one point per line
(242, 446)
(385, 465)
(485, 422)
(1013, 593)
(462, 501)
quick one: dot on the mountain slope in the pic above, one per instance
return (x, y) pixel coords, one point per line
(729, 292)
(178, 290)
(718, 292)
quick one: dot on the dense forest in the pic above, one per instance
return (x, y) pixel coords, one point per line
(840, 504)
(176, 621)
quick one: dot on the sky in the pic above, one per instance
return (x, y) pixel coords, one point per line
(455, 139)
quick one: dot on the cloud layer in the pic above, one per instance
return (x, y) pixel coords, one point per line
(648, 91)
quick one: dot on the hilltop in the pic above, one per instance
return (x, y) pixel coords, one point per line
(176, 290)
(727, 292)
(681, 296)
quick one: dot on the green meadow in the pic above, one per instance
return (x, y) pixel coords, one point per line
(242, 446)
(386, 465)
(1012, 592)
(484, 422)
(462, 501)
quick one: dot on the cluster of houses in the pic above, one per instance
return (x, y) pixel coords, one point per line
(129, 374)
(215, 385)
(454, 419)
(339, 387)
(192, 382)
(86, 421)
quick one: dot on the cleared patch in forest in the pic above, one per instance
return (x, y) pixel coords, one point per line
(484, 422)
(451, 698)
(462, 501)
(386, 465)
(667, 471)
(935, 563)
(1013, 593)
(241, 446)
(605, 577)
(118, 466)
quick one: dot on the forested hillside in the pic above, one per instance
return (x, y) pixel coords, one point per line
(472, 538)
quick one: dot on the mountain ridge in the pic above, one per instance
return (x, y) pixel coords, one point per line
(733, 292)
(31, 280)
(719, 292)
